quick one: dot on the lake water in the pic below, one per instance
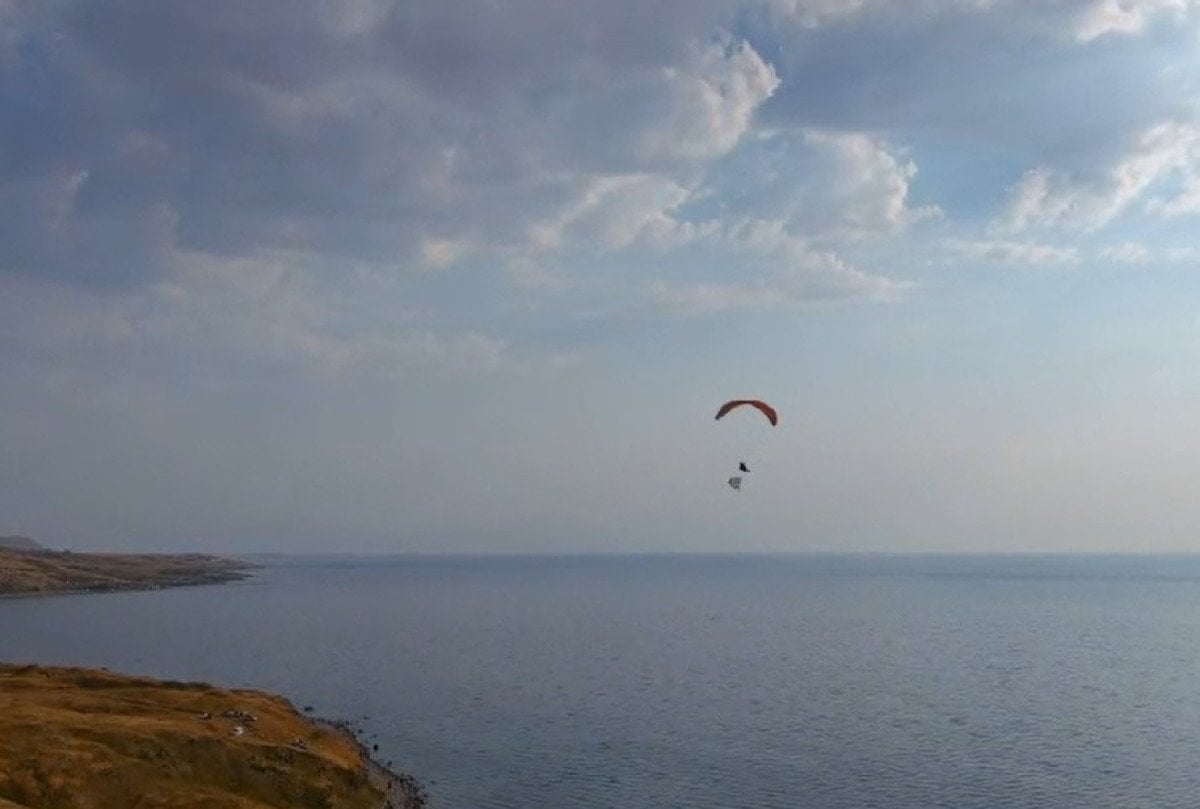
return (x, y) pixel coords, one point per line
(703, 681)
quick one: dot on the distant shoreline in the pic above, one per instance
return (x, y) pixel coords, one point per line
(25, 573)
(133, 588)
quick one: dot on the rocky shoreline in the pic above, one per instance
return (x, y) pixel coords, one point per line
(403, 791)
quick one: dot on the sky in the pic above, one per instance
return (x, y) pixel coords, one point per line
(359, 276)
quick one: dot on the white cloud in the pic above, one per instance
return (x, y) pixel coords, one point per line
(845, 184)
(1127, 253)
(356, 130)
(1138, 253)
(709, 298)
(607, 150)
(438, 253)
(57, 197)
(825, 186)
(1014, 252)
(797, 287)
(1045, 198)
(228, 316)
(613, 211)
(709, 104)
(815, 13)
(871, 185)
(468, 349)
(1187, 201)
(278, 308)
(790, 272)
(769, 264)
(1182, 254)
(355, 18)
(820, 13)
(1103, 17)
(1095, 19)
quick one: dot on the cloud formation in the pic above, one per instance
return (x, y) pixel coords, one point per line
(398, 125)
(1045, 198)
(1084, 20)
(1102, 17)
(376, 212)
(1027, 254)
(871, 184)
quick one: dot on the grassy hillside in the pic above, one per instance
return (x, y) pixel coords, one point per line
(53, 571)
(86, 739)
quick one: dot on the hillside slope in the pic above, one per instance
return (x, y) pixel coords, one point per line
(87, 739)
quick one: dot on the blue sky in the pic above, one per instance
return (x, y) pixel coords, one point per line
(474, 276)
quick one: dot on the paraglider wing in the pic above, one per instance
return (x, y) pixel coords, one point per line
(766, 409)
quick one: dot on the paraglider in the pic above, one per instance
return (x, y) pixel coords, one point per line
(767, 410)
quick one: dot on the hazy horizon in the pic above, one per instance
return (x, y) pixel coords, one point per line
(469, 276)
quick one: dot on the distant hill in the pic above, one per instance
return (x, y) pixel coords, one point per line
(19, 544)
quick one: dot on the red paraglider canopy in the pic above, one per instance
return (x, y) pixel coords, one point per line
(766, 409)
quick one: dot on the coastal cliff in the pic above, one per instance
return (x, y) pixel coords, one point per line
(74, 738)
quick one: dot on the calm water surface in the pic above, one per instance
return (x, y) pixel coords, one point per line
(703, 682)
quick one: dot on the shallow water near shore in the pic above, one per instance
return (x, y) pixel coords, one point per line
(701, 681)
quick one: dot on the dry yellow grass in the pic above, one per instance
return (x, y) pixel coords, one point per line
(23, 573)
(86, 739)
